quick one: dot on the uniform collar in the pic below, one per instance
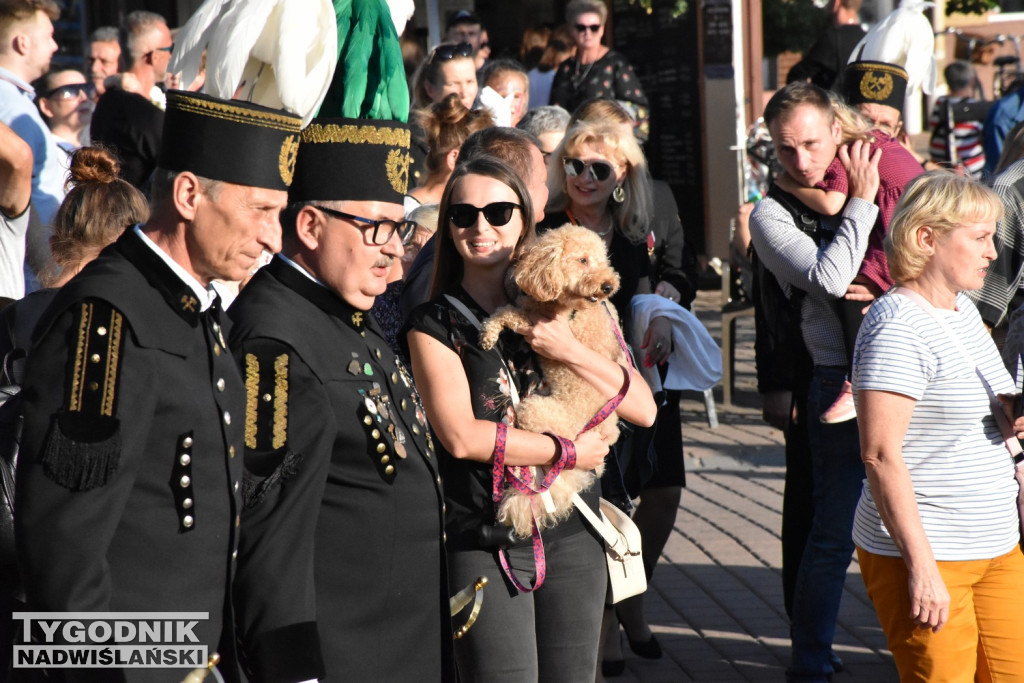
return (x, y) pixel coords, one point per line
(296, 278)
(187, 299)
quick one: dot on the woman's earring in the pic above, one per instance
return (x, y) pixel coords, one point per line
(619, 194)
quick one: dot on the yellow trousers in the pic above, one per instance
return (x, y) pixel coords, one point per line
(982, 642)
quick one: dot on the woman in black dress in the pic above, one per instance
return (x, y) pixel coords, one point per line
(551, 633)
(597, 70)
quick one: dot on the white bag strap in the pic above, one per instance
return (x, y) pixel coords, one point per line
(610, 536)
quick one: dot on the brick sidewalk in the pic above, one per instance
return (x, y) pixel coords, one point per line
(716, 598)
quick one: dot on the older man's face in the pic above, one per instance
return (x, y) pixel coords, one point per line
(232, 227)
(346, 258)
(882, 116)
(806, 143)
(103, 58)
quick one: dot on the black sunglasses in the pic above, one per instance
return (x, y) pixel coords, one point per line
(582, 28)
(72, 91)
(449, 51)
(599, 170)
(382, 230)
(497, 214)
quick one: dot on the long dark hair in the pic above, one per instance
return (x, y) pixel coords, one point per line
(448, 265)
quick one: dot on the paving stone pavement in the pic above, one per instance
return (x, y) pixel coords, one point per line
(715, 602)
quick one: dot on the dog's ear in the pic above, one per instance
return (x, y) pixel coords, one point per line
(539, 272)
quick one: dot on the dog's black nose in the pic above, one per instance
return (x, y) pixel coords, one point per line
(606, 288)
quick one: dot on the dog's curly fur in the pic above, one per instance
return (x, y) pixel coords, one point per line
(565, 272)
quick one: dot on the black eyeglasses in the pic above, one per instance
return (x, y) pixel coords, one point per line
(448, 51)
(497, 214)
(72, 91)
(382, 230)
(583, 28)
(599, 170)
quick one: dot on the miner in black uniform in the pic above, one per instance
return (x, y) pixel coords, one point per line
(341, 569)
(129, 480)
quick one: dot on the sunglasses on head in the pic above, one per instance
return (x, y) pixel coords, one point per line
(443, 53)
(497, 214)
(599, 170)
(583, 28)
(72, 91)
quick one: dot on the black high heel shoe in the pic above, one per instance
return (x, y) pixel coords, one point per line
(648, 649)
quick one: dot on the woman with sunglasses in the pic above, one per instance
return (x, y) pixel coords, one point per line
(449, 69)
(550, 634)
(65, 102)
(596, 70)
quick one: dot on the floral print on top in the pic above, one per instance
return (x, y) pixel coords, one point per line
(610, 77)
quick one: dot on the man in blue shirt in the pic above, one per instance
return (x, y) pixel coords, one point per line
(26, 45)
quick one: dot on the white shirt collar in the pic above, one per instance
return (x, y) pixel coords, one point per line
(299, 268)
(206, 295)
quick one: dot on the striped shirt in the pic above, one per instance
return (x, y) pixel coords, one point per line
(822, 271)
(961, 473)
(970, 149)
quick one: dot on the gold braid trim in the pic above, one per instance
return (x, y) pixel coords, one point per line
(78, 375)
(252, 390)
(373, 135)
(236, 114)
(110, 383)
(280, 401)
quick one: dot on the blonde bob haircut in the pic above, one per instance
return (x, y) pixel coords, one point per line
(632, 218)
(942, 201)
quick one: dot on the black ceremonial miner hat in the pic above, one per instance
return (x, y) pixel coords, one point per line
(875, 83)
(230, 140)
(352, 159)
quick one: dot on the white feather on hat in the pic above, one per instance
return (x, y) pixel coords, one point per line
(904, 38)
(276, 53)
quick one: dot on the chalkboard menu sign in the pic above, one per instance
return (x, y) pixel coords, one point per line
(664, 51)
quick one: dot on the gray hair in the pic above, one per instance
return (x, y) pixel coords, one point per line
(548, 119)
(136, 25)
(104, 34)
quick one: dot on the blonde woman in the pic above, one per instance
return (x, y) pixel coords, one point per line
(936, 528)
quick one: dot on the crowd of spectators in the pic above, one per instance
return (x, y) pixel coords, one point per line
(502, 149)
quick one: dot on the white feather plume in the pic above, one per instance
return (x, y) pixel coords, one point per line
(191, 40)
(904, 38)
(276, 53)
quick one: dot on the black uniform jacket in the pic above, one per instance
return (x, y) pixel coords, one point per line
(130, 469)
(341, 561)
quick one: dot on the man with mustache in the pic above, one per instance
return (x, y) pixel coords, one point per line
(341, 564)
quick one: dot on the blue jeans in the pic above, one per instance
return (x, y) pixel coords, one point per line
(837, 478)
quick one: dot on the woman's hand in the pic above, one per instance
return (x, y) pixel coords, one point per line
(861, 169)
(591, 449)
(929, 599)
(657, 341)
(551, 338)
(668, 291)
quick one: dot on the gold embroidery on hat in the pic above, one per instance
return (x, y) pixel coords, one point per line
(876, 86)
(110, 388)
(373, 135)
(397, 168)
(280, 401)
(252, 390)
(286, 159)
(228, 112)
